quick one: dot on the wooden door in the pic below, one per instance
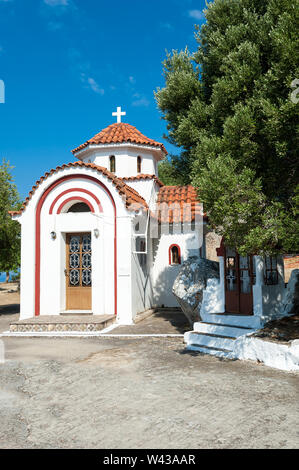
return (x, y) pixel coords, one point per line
(238, 283)
(78, 271)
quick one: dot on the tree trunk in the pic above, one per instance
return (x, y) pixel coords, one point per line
(7, 277)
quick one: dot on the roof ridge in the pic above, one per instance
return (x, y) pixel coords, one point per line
(142, 176)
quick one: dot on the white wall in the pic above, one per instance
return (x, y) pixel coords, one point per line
(273, 295)
(163, 274)
(125, 306)
(214, 295)
(148, 189)
(52, 278)
(53, 261)
(125, 159)
(142, 289)
(27, 284)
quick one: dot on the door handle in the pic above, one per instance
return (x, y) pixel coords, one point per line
(66, 272)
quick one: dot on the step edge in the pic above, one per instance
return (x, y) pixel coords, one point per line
(227, 325)
(209, 347)
(214, 335)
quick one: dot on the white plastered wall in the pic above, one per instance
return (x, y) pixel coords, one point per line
(125, 158)
(147, 188)
(27, 284)
(163, 274)
(268, 299)
(142, 289)
(214, 294)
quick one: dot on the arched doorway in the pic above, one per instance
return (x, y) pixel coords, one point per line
(239, 278)
(78, 271)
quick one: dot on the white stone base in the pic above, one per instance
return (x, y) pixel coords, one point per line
(279, 356)
(218, 341)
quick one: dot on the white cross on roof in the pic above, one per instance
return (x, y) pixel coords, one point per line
(119, 113)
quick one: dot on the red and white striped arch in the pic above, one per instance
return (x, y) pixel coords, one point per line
(59, 204)
(67, 198)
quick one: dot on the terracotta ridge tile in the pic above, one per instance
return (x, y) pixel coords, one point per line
(143, 176)
(121, 187)
(120, 133)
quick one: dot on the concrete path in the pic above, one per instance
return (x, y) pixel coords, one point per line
(161, 322)
(136, 393)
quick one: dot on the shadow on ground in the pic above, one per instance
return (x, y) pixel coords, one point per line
(161, 322)
(9, 309)
(176, 319)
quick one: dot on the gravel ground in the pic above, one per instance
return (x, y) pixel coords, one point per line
(281, 331)
(9, 305)
(140, 393)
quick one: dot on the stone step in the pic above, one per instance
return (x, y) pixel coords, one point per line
(212, 351)
(209, 340)
(63, 323)
(244, 321)
(221, 330)
(143, 315)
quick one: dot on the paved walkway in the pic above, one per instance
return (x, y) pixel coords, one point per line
(161, 322)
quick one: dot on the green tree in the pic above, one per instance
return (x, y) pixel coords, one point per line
(228, 107)
(9, 229)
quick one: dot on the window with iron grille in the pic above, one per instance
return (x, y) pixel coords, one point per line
(270, 270)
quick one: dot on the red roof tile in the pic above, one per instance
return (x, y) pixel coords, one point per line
(132, 198)
(120, 133)
(179, 195)
(142, 177)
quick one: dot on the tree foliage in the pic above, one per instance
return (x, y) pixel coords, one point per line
(9, 229)
(228, 108)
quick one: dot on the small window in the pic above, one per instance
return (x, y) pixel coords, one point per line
(79, 207)
(112, 164)
(174, 254)
(138, 164)
(270, 270)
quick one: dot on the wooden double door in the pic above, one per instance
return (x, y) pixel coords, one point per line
(78, 271)
(239, 278)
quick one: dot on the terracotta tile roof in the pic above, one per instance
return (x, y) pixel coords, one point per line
(142, 177)
(291, 261)
(179, 195)
(132, 198)
(120, 133)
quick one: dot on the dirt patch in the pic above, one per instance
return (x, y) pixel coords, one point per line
(284, 330)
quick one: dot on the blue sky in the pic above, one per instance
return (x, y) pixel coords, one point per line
(67, 65)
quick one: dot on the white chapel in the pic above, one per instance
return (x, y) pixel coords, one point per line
(86, 245)
(103, 235)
